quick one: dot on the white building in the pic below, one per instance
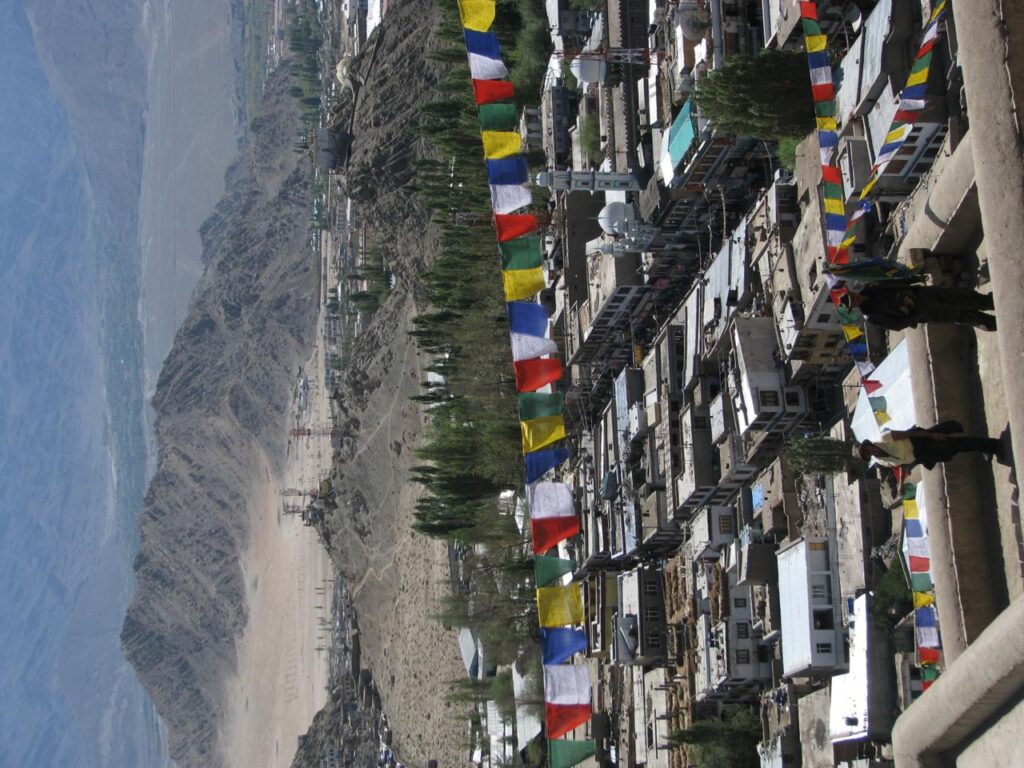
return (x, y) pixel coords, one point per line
(813, 640)
(760, 398)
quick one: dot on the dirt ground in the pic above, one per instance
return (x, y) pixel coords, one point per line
(280, 682)
(397, 577)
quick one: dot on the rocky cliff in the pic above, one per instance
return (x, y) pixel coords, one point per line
(221, 407)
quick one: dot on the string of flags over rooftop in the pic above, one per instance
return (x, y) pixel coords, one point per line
(536, 363)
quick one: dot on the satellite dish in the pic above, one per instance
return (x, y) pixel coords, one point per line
(589, 70)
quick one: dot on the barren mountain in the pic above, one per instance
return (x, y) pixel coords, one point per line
(221, 405)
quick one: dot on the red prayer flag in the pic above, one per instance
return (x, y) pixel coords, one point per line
(808, 9)
(837, 294)
(919, 564)
(509, 226)
(561, 719)
(927, 655)
(831, 174)
(871, 386)
(533, 374)
(823, 92)
(546, 532)
(487, 91)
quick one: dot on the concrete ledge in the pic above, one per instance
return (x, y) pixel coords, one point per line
(986, 677)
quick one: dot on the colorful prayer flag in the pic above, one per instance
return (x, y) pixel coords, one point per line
(507, 170)
(506, 198)
(539, 463)
(548, 569)
(483, 44)
(477, 15)
(483, 68)
(498, 144)
(487, 91)
(539, 405)
(531, 375)
(565, 753)
(501, 117)
(566, 698)
(540, 433)
(558, 644)
(560, 606)
(528, 326)
(514, 225)
(552, 514)
(521, 253)
(522, 283)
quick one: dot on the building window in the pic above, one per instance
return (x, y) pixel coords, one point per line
(818, 592)
(793, 398)
(742, 630)
(742, 656)
(768, 398)
(725, 525)
(823, 647)
(650, 587)
(824, 317)
(824, 620)
(654, 641)
(651, 613)
(739, 602)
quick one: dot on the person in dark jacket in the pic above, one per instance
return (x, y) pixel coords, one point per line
(899, 304)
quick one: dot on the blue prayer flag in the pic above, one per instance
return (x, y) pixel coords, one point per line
(508, 170)
(558, 644)
(527, 317)
(914, 529)
(924, 617)
(483, 44)
(539, 462)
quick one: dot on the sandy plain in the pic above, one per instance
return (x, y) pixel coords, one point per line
(279, 683)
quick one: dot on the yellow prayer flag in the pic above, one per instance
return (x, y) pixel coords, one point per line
(869, 186)
(477, 15)
(923, 599)
(538, 433)
(522, 283)
(909, 509)
(499, 144)
(852, 332)
(560, 606)
(896, 134)
(815, 43)
(917, 78)
(826, 123)
(835, 206)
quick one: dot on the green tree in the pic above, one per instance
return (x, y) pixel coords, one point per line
(590, 139)
(807, 455)
(764, 97)
(892, 599)
(727, 743)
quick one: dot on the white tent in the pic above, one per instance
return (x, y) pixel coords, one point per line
(894, 376)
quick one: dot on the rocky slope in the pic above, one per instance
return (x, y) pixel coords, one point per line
(397, 578)
(221, 406)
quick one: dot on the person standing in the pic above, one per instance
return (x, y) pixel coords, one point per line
(899, 304)
(928, 447)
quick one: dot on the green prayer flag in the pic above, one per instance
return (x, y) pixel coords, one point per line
(539, 405)
(847, 316)
(565, 753)
(498, 117)
(521, 253)
(921, 582)
(909, 491)
(548, 570)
